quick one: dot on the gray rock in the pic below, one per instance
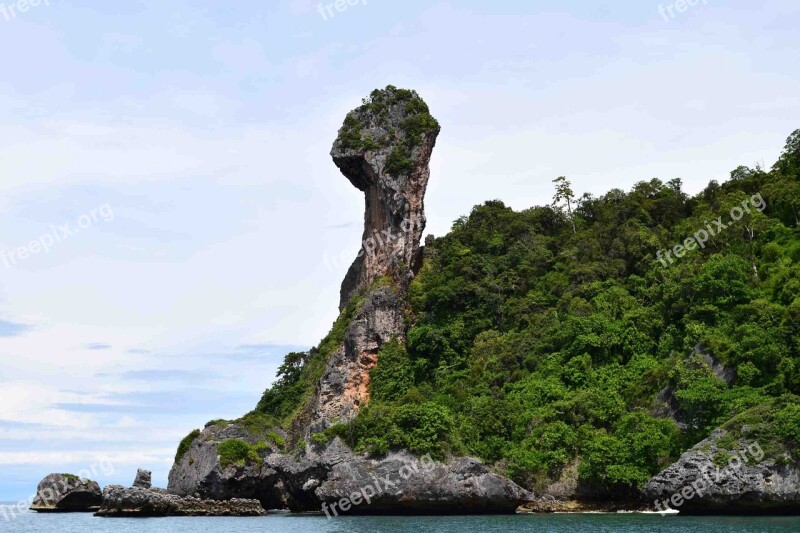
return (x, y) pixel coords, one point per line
(402, 483)
(119, 501)
(67, 493)
(723, 373)
(143, 479)
(754, 485)
(344, 386)
(303, 484)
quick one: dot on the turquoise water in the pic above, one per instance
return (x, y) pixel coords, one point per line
(281, 523)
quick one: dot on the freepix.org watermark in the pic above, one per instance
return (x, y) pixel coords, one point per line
(709, 477)
(329, 10)
(379, 485)
(10, 11)
(712, 228)
(378, 239)
(681, 6)
(57, 234)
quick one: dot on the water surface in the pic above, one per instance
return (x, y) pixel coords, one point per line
(285, 523)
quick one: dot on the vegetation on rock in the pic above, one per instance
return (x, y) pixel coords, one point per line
(542, 338)
(376, 132)
(185, 444)
(300, 371)
(238, 452)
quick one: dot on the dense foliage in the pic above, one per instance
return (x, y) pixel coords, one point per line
(540, 340)
(238, 452)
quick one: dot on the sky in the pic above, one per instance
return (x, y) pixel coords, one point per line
(171, 223)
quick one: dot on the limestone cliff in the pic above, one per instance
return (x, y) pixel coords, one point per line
(384, 149)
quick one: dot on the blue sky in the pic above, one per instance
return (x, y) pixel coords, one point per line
(173, 157)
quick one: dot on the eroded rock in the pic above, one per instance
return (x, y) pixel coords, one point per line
(384, 149)
(119, 501)
(402, 483)
(327, 475)
(66, 493)
(143, 479)
(724, 475)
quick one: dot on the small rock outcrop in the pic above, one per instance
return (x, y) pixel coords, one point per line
(143, 479)
(119, 501)
(724, 474)
(66, 493)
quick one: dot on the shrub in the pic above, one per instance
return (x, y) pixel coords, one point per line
(319, 439)
(239, 452)
(787, 424)
(393, 376)
(186, 443)
(276, 439)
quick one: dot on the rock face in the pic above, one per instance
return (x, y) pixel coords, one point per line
(401, 482)
(344, 386)
(725, 475)
(143, 479)
(384, 149)
(119, 501)
(67, 493)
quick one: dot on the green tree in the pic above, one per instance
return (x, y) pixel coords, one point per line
(565, 196)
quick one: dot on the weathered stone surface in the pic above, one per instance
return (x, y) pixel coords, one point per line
(67, 493)
(333, 472)
(753, 486)
(277, 481)
(119, 501)
(401, 483)
(344, 386)
(143, 479)
(384, 149)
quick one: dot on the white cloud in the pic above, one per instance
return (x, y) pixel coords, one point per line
(79, 457)
(32, 403)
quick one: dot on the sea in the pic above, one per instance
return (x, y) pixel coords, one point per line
(30, 522)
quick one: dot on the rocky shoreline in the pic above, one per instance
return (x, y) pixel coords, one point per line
(124, 502)
(332, 474)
